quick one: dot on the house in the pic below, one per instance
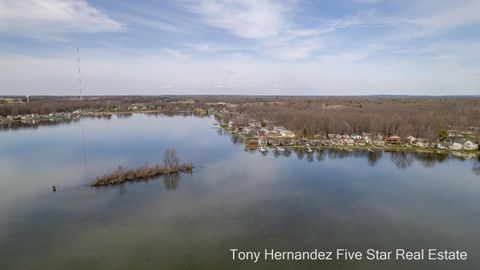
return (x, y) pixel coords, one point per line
(378, 142)
(254, 123)
(304, 141)
(368, 137)
(355, 136)
(349, 141)
(263, 132)
(469, 145)
(360, 142)
(334, 136)
(411, 139)
(279, 129)
(287, 134)
(444, 145)
(335, 141)
(421, 143)
(456, 146)
(394, 140)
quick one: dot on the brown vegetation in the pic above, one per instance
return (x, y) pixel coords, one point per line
(306, 115)
(403, 116)
(171, 166)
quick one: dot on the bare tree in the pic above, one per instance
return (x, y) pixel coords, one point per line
(170, 159)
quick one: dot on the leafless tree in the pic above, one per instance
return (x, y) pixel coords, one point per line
(170, 159)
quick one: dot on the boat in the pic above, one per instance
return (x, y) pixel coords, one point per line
(280, 149)
(262, 149)
(309, 150)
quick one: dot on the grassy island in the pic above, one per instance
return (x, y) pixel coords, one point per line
(171, 165)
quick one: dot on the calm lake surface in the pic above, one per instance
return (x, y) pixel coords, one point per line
(233, 199)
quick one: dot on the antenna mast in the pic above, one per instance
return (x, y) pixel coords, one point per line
(79, 73)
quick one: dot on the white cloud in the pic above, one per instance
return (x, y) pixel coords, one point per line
(244, 18)
(461, 13)
(420, 19)
(22, 16)
(176, 54)
(268, 22)
(293, 51)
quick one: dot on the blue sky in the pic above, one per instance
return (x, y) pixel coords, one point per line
(305, 47)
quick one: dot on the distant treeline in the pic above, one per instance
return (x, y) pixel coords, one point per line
(420, 116)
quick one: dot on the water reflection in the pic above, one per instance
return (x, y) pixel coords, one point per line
(374, 157)
(400, 159)
(171, 181)
(476, 167)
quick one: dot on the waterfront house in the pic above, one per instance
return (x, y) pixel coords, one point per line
(349, 141)
(444, 145)
(456, 146)
(304, 141)
(287, 134)
(279, 129)
(355, 136)
(263, 132)
(335, 141)
(334, 136)
(368, 137)
(411, 139)
(394, 139)
(469, 145)
(360, 142)
(254, 123)
(421, 143)
(378, 142)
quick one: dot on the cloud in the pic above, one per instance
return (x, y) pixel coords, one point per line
(244, 18)
(293, 51)
(462, 13)
(176, 54)
(421, 19)
(267, 22)
(21, 16)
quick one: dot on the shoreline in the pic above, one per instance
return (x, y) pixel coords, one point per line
(60, 118)
(466, 154)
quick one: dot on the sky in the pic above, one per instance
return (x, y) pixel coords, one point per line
(262, 47)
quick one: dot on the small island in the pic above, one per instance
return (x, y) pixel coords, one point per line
(171, 165)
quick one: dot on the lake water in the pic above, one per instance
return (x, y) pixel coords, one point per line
(233, 199)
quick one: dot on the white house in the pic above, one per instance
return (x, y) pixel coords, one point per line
(279, 129)
(287, 134)
(456, 146)
(356, 136)
(469, 145)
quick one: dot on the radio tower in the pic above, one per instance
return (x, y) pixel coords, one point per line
(79, 73)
